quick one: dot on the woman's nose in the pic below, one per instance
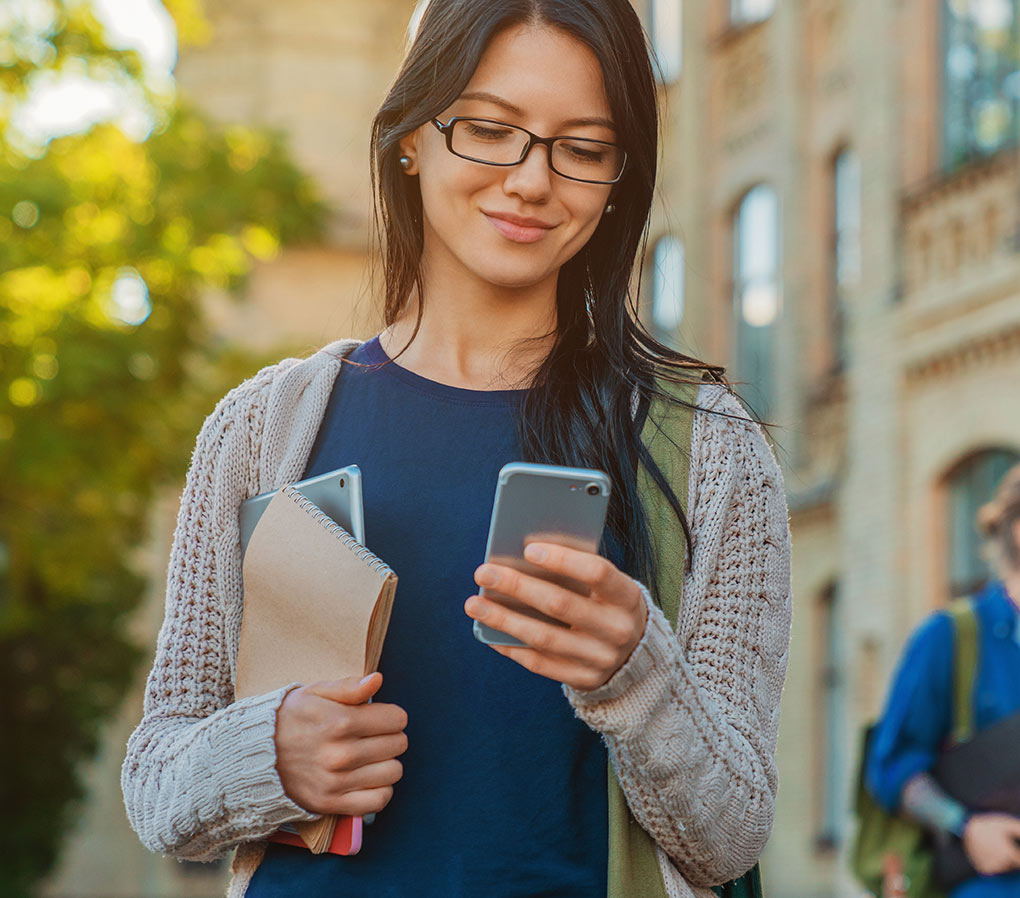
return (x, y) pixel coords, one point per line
(531, 179)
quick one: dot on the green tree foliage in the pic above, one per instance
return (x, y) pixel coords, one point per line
(107, 366)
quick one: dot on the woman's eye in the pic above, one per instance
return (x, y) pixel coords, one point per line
(476, 130)
(584, 154)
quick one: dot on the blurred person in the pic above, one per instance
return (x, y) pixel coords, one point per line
(514, 163)
(917, 723)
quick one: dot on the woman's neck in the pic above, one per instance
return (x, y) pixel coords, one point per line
(482, 340)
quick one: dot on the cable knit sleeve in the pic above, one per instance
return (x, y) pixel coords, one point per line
(199, 776)
(691, 719)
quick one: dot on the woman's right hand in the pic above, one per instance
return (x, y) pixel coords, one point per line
(336, 753)
(992, 842)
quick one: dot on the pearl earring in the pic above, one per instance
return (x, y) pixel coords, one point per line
(610, 209)
(406, 162)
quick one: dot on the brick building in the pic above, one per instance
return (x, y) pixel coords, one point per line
(838, 222)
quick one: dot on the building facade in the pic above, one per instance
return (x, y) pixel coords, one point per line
(840, 225)
(838, 222)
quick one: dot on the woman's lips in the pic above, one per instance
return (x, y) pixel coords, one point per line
(515, 232)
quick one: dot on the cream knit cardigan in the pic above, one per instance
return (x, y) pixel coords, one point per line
(690, 720)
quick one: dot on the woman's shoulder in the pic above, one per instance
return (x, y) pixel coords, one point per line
(282, 380)
(927, 651)
(720, 400)
(268, 408)
(726, 437)
(708, 398)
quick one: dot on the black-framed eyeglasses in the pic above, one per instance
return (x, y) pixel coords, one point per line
(496, 143)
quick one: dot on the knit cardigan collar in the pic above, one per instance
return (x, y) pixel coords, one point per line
(294, 410)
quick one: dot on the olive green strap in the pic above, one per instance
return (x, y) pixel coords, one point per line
(633, 867)
(667, 435)
(965, 662)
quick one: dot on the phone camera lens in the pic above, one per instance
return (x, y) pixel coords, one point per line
(593, 489)
(341, 482)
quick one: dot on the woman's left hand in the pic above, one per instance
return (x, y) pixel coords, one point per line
(602, 629)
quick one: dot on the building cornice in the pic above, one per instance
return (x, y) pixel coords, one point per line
(980, 350)
(964, 179)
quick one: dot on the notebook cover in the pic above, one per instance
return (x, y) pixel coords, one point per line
(310, 592)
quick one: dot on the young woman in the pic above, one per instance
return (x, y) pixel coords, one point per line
(918, 719)
(514, 160)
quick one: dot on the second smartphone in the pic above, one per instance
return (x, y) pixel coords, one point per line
(337, 493)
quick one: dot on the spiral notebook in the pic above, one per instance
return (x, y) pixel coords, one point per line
(316, 607)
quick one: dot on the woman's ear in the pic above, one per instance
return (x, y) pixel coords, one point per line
(409, 151)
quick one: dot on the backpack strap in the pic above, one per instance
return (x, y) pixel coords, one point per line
(667, 435)
(633, 866)
(965, 663)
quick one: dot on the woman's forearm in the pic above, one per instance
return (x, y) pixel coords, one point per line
(691, 719)
(925, 801)
(199, 772)
(694, 779)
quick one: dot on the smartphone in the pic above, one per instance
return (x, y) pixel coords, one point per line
(337, 493)
(541, 503)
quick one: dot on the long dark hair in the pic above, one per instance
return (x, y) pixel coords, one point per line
(578, 410)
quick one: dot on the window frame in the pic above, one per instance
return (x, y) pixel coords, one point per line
(832, 717)
(950, 158)
(839, 287)
(759, 390)
(668, 336)
(668, 74)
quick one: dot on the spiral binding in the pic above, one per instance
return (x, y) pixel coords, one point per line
(362, 552)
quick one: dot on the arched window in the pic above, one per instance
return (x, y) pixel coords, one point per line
(666, 18)
(969, 486)
(667, 289)
(757, 297)
(846, 245)
(980, 78)
(744, 12)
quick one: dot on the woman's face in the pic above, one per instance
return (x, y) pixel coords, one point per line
(547, 81)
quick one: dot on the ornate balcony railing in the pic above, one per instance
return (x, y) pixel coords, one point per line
(961, 235)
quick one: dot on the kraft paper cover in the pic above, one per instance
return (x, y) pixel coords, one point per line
(316, 602)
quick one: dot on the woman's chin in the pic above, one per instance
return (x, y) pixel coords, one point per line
(512, 277)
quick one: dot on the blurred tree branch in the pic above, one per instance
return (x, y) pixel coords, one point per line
(107, 366)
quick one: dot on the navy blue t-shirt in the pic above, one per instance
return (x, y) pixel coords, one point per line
(504, 792)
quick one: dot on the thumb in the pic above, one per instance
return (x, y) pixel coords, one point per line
(350, 690)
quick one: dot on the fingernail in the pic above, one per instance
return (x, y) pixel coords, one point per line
(475, 606)
(486, 576)
(534, 552)
(366, 679)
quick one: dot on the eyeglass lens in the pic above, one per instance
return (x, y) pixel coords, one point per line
(586, 160)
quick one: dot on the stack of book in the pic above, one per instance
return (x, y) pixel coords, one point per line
(316, 607)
